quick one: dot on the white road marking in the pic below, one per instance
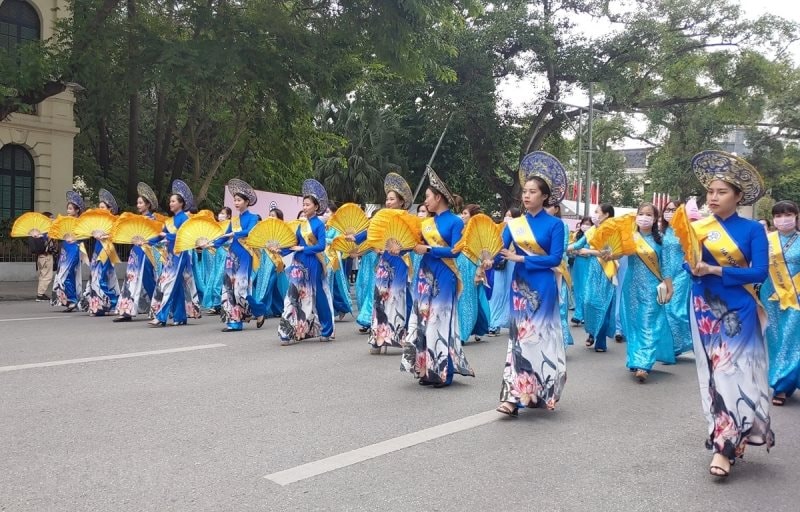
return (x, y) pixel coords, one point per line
(107, 358)
(32, 318)
(342, 460)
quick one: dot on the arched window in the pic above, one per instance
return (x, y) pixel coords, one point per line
(16, 181)
(19, 23)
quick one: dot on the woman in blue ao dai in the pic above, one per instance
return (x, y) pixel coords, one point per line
(501, 288)
(337, 280)
(67, 282)
(140, 274)
(599, 289)
(580, 269)
(473, 306)
(308, 306)
(238, 304)
(562, 279)
(175, 294)
(644, 320)
(535, 370)
(432, 349)
(102, 288)
(781, 302)
(271, 284)
(208, 267)
(392, 302)
(727, 322)
(679, 279)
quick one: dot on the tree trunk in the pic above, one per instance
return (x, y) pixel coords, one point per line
(133, 108)
(104, 150)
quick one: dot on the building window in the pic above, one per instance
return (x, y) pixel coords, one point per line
(16, 181)
(19, 23)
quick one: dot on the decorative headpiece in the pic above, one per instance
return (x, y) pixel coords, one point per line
(237, 186)
(76, 199)
(315, 189)
(717, 165)
(395, 183)
(108, 198)
(438, 185)
(144, 190)
(547, 167)
(182, 189)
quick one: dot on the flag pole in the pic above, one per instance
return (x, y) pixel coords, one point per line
(430, 162)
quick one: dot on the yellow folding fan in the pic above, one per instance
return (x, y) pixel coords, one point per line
(63, 228)
(271, 233)
(224, 224)
(615, 236)
(131, 229)
(30, 224)
(390, 230)
(682, 226)
(482, 239)
(195, 232)
(95, 223)
(160, 218)
(349, 219)
(207, 214)
(348, 247)
(294, 224)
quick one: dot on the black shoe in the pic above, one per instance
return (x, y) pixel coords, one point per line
(260, 322)
(618, 338)
(122, 319)
(40, 298)
(422, 382)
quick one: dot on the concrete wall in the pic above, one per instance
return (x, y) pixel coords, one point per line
(48, 135)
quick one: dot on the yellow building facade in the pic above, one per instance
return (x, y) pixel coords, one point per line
(36, 148)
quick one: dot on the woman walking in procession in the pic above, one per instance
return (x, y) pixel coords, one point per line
(473, 306)
(140, 275)
(644, 319)
(67, 282)
(580, 268)
(780, 297)
(678, 280)
(308, 307)
(175, 294)
(102, 289)
(270, 282)
(727, 328)
(432, 349)
(238, 304)
(391, 302)
(536, 368)
(563, 278)
(501, 287)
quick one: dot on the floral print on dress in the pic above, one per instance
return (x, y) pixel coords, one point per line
(389, 313)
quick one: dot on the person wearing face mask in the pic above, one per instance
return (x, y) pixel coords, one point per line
(308, 306)
(499, 302)
(728, 319)
(672, 258)
(600, 288)
(643, 318)
(580, 268)
(779, 294)
(473, 306)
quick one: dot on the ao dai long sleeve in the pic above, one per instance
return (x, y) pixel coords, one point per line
(549, 234)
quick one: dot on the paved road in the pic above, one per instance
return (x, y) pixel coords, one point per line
(200, 429)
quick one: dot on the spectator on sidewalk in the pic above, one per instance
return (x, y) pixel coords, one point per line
(43, 248)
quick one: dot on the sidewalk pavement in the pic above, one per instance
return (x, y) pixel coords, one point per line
(18, 290)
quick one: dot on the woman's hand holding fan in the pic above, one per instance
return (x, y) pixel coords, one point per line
(686, 235)
(197, 232)
(393, 231)
(349, 219)
(31, 224)
(271, 234)
(614, 237)
(134, 229)
(481, 241)
(96, 223)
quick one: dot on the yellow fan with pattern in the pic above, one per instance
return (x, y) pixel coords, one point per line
(31, 224)
(349, 219)
(348, 247)
(615, 236)
(132, 229)
(682, 226)
(203, 214)
(63, 228)
(393, 231)
(482, 239)
(271, 233)
(95, 223)
(196, 232)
